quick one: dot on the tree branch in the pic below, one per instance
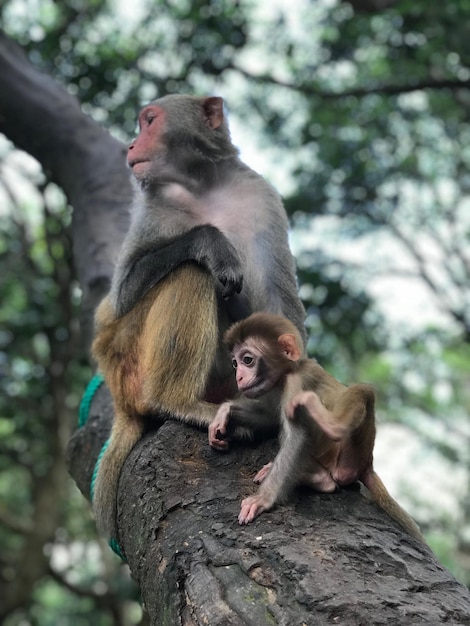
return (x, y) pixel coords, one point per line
(40, 117)
(308, 89)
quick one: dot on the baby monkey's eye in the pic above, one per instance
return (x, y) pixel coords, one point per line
(234, 364)
(248, 360)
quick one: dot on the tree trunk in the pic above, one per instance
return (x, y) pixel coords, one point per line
(319, 559)
(41, 118)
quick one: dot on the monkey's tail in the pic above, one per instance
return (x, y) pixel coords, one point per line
(125, 434)
(380, 495)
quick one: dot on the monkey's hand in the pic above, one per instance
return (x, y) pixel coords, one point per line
(326, 420)
(263, 472)
(148, 265)
(252, 507)
(208, 246)
(237, 307)
(218, 427)
(225, 266)
(304, 398)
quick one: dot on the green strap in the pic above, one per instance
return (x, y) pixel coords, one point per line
(97, 466)
(83, 413)
(88, 395)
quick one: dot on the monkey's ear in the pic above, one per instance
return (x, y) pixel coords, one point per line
(289, 346)
(213, 109)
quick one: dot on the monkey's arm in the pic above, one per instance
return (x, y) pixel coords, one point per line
(331, 424)
(205, 245)
(243, 416)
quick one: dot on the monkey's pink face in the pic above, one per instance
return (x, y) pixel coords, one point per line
(142, 151)
(252, 374)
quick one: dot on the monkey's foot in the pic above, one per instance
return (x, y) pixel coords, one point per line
(252, 507)
(321, 481)
(263, 472)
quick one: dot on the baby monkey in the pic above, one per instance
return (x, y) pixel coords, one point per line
(327, 429)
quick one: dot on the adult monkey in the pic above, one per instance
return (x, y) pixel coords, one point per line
(202, 224)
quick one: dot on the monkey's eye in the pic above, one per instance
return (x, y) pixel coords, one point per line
(234, 364)
(248, 360)
(149, 118)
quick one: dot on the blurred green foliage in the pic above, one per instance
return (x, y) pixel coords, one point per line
(367, 114)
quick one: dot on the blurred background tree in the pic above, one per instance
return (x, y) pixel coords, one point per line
(359, 113)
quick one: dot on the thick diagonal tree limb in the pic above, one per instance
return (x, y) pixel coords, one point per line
(319, 559)
(40, 117)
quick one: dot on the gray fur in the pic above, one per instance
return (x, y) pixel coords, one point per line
(230, 196)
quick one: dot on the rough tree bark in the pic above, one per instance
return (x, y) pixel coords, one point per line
(320, 559)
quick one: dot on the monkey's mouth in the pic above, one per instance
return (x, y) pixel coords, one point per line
(134, 162)
(252, 391)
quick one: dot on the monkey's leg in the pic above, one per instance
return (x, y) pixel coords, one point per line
(284, 474)
(114, 348)
(178, 346)
(355, 452)
(156, 359)
(355, 463)
(355, 406)
(126, 432)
